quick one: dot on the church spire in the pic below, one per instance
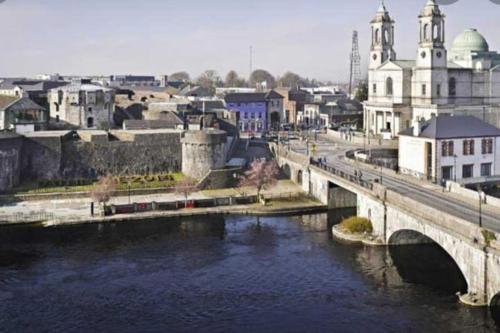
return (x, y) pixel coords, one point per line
(382, 27)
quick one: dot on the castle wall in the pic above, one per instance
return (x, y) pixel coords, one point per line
(88, 156)
(10, 160)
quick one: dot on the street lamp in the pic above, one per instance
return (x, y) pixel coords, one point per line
(455, 168)
(480, 194)
(381, 173)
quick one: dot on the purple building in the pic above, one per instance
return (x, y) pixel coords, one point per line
(252, 109)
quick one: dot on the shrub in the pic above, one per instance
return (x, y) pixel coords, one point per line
(488, 236)
(357, 225)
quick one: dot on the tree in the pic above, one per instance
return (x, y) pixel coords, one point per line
(186, 187)
(103, 190)
(291, 80)
(209, 79)
(234, 80)
(361, 92)
(179, 76)
(261, 175)
(262, 78)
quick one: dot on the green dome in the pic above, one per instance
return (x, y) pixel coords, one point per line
(470, 40)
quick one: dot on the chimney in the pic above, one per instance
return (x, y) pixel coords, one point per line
(417, 127)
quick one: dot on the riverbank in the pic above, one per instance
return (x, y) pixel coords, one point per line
(293, 208)
(286, 198)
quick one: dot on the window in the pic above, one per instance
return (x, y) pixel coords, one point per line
(246, 115)
(90, 122)
(438, 90)
(57, 118)
(424, 90)
(388, 86)
(90, 109)
(467, 171)
(447, 172)
(468, 147)
(426, 32)
(487, 146)
(452, 87)
(447, 148)
(486, 169)
(374, 88)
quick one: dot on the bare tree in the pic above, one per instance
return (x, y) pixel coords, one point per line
(185, 187)
(261, 175)
(179, 76)
(262, 78)
(291, 80)
(209, 79)
(103, 190)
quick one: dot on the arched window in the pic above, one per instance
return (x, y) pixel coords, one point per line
(435, 32)
(452, 87)
(377, 36)
(426, 32)
(389, 89)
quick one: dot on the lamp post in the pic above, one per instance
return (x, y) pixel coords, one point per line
(455, 168)
(381, 174)
(480, 194)
(128, 183)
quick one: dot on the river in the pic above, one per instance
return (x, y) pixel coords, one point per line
(225, 274)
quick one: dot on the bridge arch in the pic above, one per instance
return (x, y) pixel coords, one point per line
(407, 236)
(300, 177)
(287, 170)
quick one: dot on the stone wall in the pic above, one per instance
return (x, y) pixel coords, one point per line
(71, 155)
(10, 160)
(203, 151)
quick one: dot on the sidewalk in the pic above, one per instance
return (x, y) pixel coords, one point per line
(79, 209)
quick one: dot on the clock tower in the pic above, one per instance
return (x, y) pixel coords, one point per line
(382, 38)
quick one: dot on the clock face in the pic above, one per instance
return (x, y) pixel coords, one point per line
(423, 54)
(439, 54)
(374, 56)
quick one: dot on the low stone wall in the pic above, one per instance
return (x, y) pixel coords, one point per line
(217, 179)
(360, 140)
(470, 194)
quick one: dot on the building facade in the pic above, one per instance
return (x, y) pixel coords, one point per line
(463, 81)
(251, 109)
(82, 105)
(21, 115)
(458, 148)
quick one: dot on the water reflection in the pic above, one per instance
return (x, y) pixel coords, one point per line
(235, 273)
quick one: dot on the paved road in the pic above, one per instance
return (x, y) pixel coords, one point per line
(426, 193)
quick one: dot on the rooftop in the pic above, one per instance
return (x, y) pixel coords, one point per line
(454, 127)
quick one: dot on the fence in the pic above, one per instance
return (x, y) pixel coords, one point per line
(347, 176)
(197, 203)
(29, 217)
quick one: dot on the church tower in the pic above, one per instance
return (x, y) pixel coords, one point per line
(382, 38)
(431, 73)
(431, 49)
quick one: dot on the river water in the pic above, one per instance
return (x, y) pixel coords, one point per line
(225, 274)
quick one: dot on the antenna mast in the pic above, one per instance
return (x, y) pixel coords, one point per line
(355, 65)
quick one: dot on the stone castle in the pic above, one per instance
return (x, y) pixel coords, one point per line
(56, 155)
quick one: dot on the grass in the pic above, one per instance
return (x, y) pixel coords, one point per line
(488, 236)
(136, 182)
(357, 225)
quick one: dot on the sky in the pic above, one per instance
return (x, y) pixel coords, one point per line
(309, 37)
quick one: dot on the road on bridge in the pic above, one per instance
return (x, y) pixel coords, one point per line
(429, 194)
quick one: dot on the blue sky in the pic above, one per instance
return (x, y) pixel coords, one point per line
(162, 36)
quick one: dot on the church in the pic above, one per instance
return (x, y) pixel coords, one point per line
(461, 81)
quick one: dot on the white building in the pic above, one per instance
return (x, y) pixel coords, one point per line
(82, 105)
(459, 148)
(464, 81)
(311, 114)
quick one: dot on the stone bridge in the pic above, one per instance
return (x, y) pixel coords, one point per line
(399, 220)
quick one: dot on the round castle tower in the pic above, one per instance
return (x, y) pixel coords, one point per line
(203, 151)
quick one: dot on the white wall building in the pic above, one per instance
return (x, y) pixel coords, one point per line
(464, 81)
(459, 148)
(82, 105)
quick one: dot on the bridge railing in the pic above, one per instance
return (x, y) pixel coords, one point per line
(344, 175)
